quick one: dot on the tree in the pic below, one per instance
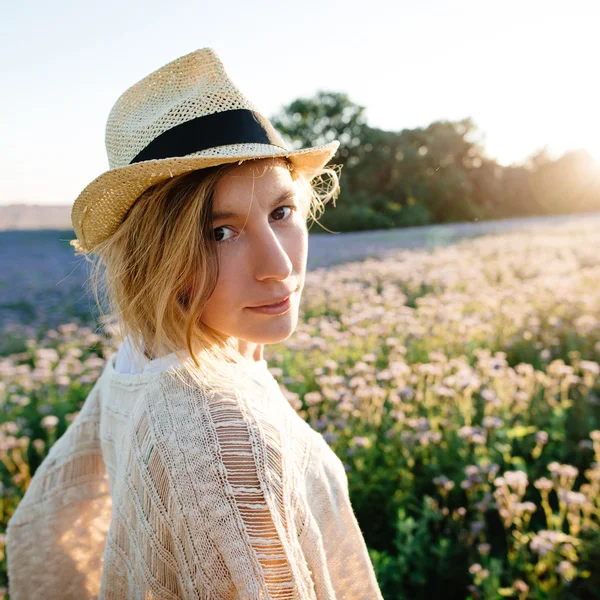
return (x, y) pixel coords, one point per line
(569, 184)
(436, 174)
(325, 117)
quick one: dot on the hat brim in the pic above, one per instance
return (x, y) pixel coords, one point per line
(101, 207)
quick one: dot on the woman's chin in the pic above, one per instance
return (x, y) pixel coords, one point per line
(272, 330)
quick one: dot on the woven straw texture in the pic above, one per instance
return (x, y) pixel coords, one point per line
(191, 86)
(159, 490)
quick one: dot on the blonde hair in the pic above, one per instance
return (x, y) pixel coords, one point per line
(164, 245)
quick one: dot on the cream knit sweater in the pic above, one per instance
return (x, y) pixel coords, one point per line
(162, 491)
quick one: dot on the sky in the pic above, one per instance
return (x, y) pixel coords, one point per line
(525, 71)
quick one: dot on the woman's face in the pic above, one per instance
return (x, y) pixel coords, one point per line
(262, 250)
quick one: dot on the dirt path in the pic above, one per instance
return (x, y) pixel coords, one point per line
(329, 249)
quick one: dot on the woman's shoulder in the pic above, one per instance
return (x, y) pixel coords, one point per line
(186, 425)
(183, 418)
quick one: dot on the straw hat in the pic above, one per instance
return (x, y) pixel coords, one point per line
(187, 115)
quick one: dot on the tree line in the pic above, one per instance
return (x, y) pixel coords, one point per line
(437, 174)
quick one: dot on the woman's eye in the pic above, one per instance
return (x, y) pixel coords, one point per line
(280, 217)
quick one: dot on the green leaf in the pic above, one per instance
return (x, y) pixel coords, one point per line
(506, 592)
(518, 461)
(521, 431)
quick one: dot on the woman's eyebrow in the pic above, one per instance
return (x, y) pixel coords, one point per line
(287, 195)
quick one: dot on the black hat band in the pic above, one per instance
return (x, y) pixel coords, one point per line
(237, 126)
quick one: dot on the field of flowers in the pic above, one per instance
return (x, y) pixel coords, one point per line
(459, 385)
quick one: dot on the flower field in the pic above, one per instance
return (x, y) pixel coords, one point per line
(460, 387)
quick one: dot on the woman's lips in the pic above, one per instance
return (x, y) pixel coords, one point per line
(273, 309)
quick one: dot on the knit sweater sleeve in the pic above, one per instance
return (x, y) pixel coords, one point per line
(208, 498)
(56, 536)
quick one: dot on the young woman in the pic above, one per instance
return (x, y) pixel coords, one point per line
(187, 473)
